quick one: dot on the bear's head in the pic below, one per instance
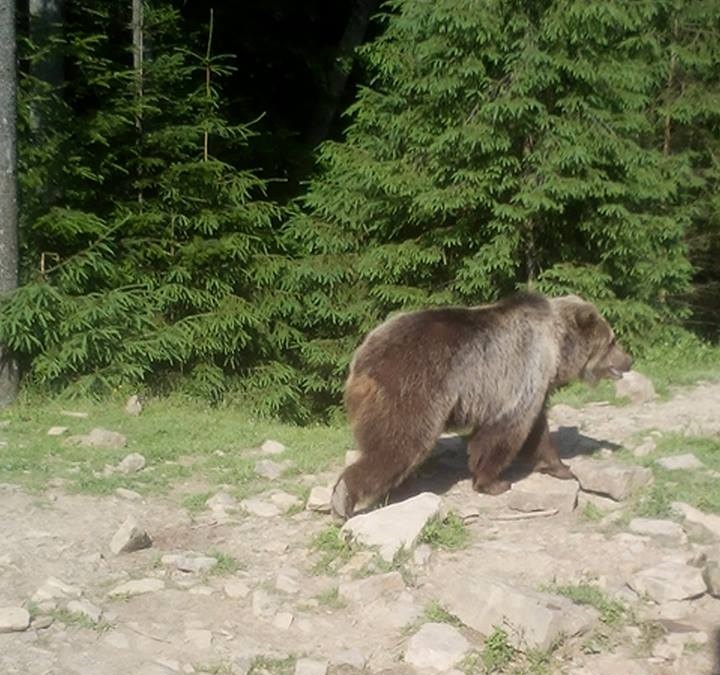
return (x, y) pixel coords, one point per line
(588, 347)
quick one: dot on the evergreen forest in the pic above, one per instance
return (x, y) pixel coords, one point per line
(221, 198)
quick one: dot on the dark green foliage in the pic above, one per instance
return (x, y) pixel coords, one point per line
(146, 251)
(501, 145)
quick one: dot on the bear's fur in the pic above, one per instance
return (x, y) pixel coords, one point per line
(488, 368)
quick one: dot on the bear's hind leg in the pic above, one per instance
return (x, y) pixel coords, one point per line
(540, 451)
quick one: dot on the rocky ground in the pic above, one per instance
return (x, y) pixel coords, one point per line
(552, 577)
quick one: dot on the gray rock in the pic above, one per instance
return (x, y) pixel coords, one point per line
(437, 646)
(612, 664)
(236, 589)
(608, 477)
(287, 582)
(99, 438)
(538, 492)
(532, 619)
(371, 588)
(679, 462)
(311, 667)
(645, 448)
(133, 406)
(14, 619)
(53, 589)
(636, 387)
(130, 537)
(711, 577)
(394, 527)
(670, 580)
(283, 620)
(263, 604)
(266, 468)
(352, 657)
(319, 499)
(271, 447)
(132, 463)
(662, 530)
(130, 495)
(603, 504)
(221, 502)
(422, 555)
(259, 507)
(56, 431)
(74, 413)
(283, 500)
(86, 609)
(697, 523)
(195, 564)
(137, 587)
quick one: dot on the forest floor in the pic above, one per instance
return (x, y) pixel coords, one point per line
(242, 578)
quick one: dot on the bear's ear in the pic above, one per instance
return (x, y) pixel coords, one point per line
(586, 316)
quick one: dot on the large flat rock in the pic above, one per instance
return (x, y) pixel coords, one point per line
(394, 527)
(539, 492)
(608, 477)
(670, 580)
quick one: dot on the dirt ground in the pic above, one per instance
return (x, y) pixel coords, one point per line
(274, 608)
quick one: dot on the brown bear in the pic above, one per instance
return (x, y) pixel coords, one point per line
(488, 368)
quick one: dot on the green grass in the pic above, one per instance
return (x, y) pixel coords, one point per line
(697, 487)
(331, 599)
(80, 620)
(449, 533)
(179, 440)
(226, 564)
(264, 664)
(612, 612)
(334, 550)
(436, 613)
(497, 652)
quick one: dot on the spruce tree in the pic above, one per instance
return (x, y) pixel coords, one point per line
(498, 145)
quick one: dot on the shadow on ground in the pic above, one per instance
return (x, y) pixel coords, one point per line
(447, 465)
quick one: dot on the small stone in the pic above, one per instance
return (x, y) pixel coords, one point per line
(199, 638)
(195, 564)
(137, 587)
(284, 501)
(130, 537)
(636, 387)
(86, 608)
(202, 590)
(56, 431)
(53, 588)
(133, 406)
(132, 463)
(14, 619)
(538, 492)
(74, 413)
(711, 577)
(319, 499)
(608, 477)
(437, 646)
(697, 523)
(271, 447)
(117, 640)
(263, 604)
(258, 507)
(99, 438)
(43, 622)
(352, 657)
(669, 580)
(422, 555)
(266, 468)
(286, 583)
(352, 456)
(283, 620)
(372, 588)
(130, 495)
(667, 651)
(221, 501)
(311, 667)
(662, 530)
(236, 589)
(645, 448)
(603, 504)
(680, 462)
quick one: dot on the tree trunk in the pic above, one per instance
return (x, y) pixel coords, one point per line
(138, 28)
(353, 35)
(8, 185)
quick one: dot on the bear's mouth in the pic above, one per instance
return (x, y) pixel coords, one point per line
(615, 373)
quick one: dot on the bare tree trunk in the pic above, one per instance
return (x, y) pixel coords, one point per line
(8, 185)
(352, 36)
(138, 28)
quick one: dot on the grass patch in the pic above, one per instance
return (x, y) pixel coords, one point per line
(331, 599)
(436, 613)
(226, 564)
(264, 664)
(697, 487)
(178, 438)
(334, 550)
(612, 612)
(449, 533)
(497, 652)
(78, 619)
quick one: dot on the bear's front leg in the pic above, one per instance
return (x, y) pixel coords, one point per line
(540, 451)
